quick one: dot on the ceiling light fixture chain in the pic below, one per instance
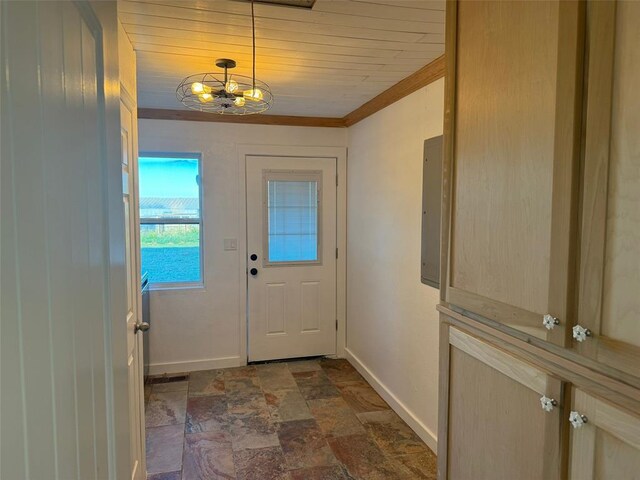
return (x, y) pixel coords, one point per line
(231, 94)
(253, 44)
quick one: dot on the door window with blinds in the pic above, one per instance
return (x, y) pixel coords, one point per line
(171, 219)
(292, 207)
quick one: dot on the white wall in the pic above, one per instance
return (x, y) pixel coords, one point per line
(200, 328)
(392, 323)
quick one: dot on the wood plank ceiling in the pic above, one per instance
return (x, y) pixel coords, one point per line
(325, 61)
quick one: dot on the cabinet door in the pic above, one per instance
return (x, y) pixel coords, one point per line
(512, 143)
(497, 428)
(607, 446)
(609, 277)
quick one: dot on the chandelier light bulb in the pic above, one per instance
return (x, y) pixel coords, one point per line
(231, 86)
(197, 88)
(255, 94)
(239, 101)
(205, 97)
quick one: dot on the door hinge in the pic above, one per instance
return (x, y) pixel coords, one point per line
(336, 252)
(336, 324)
(336, 179)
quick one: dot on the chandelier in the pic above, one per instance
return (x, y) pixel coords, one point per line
(225, 93)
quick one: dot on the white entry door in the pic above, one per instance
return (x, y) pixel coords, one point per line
(291, 264)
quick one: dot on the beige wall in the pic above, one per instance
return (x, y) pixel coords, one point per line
(199, 328)
(392, 324)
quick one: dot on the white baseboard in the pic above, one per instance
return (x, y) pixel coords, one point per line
(195, 365)
(394, 402)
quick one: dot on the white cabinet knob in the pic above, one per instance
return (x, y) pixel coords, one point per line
(580, 333)
(549, 321)
(547, 403)
(577, 420)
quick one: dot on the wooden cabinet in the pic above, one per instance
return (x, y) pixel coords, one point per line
(497, 426)
(513, 117)
(607, 446)
(540, 282)
(609, 273)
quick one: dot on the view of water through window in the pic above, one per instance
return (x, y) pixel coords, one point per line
(170, 219)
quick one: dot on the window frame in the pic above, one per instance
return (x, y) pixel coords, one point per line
(179, 221)
(300, 175)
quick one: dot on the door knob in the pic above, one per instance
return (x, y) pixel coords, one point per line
(547, 403)
(580, 333)
(577, 420)
(254, 257)
(253, 271)
(141, 327)
(549, 321)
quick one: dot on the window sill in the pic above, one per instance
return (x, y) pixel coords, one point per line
(176, 287)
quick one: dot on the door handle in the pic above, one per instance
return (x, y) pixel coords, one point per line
(253, 271)
(141, 327)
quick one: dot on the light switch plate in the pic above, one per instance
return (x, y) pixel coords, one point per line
(230, 244)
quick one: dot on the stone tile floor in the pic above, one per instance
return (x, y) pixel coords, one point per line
(300, 420)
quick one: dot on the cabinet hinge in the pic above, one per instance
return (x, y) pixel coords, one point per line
(336, 252)
(336, 324)
(336, 179)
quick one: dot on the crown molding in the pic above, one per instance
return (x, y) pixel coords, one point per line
(194, 116)
(423, 77)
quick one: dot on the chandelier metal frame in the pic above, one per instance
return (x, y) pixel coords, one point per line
(225, 93)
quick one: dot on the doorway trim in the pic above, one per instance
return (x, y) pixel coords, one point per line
(340, 155)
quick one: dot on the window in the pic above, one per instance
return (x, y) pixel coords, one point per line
(170, 218)
(292, 211)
